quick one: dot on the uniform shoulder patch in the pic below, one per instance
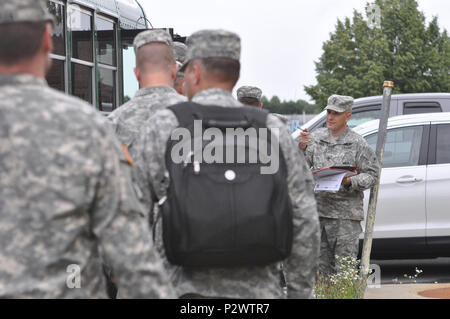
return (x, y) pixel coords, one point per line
(127, 155)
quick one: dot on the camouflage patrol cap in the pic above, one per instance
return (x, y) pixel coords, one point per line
(152, 36)
(249, 91)
(180, 51)
(340, 103)
(213, 44)
(18, 11)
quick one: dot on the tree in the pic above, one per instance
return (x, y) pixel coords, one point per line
(274, 105)
(357, 58)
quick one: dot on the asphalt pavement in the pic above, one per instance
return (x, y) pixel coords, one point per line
(412, 279)
(404, 271)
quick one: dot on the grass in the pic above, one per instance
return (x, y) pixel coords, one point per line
(345, 284)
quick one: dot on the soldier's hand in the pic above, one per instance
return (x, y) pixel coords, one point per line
(304, 139)
(347, 181)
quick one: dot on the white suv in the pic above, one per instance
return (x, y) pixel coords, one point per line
(369, 108)
(413, 210)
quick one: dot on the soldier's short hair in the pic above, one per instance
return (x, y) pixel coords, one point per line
(20, 41)
(251, 101)
(154, 56)
(222, 69)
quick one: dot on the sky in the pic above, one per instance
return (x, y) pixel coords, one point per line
(281, 39)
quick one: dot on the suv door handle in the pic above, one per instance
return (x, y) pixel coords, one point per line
(409, 180)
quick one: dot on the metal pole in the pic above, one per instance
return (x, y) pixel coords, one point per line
(371, 212)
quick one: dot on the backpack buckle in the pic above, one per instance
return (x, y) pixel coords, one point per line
(162, 201)
(196, 168)
(188, 158)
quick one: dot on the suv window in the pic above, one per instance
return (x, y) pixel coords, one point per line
(402, 146)
(443, 144)
(421, 107)
(362, 117)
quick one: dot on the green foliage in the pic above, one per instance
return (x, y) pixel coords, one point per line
(345, 284)
(357, 59)
(274, 105)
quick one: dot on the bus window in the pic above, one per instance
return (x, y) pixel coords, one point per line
(82, 81)
(82, 53)
(56, 75)
(107, 90)
(106, 48)
(58, 33)
(130, 84)
(107, 61)
(89, 60)
(81, 27)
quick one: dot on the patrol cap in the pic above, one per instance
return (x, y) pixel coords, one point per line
(249, 91)
(152, 36)
(340, 103)
(212, 44)
(18, 11)
(180, 50)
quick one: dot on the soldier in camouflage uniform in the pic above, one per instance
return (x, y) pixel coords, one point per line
(66, 202)
(155, 71)
(220, 51)
(340, 213)
(250, 95)
(180, 50)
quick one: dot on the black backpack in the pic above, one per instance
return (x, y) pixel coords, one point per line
(225, 215)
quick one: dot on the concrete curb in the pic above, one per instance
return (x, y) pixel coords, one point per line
(402, 291)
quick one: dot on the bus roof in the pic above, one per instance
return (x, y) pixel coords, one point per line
(129, 12)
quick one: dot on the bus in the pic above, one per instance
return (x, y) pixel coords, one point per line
(93, 56)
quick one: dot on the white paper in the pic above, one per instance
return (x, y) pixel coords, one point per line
(331, 171)
(330, 183)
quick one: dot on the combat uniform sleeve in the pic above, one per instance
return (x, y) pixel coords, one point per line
(309, 153)
(113, 120)
(301, 266)
(123, 232)
(368, 166)
(149, 152)
(141, 176)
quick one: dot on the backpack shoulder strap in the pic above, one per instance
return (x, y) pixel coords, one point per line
(187, 112)
(184, 113)
(258, 116)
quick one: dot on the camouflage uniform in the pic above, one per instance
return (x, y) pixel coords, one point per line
(128, 119)
(65, 194)
(341, 213)
(249, 91)
(243, 282)
(180, 50)
(63, 200)
(256, 93)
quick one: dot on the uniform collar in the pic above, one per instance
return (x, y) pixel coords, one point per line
(217, 97)
(155, 90)
(21, 79)
(339, 139)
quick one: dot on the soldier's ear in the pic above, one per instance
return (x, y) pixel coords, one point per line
(349, 116)
(47, 41)
(137, 74)
(198, 73)
(174, 71)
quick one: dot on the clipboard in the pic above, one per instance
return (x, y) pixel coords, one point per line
(334, 170)
(330, 179)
